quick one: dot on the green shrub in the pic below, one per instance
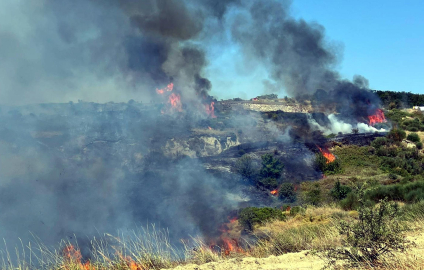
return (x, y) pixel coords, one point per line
(408, 192)
(251, 216)
(287, 193)
(311, 193)
(396, 135)
(297, 210)
(339, 191)
(376, 233)
(269, 183)
(379, 142)
(245, 167)
(419, 145)
(413, 137)
(351, 202)
(271, 167)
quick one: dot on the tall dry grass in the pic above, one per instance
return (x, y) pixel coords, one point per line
(315, 228)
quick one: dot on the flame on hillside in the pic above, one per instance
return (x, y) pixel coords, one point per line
(168, 88)
(210, 109)
(274, 192)
(377, 117)
(174, 100)
(72, 257)
(327, 154)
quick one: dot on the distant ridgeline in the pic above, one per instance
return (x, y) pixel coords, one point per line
(398, 100)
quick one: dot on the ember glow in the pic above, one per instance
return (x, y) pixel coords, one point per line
(327, 154)
(377, 117)
(274, 192)
(210, 109)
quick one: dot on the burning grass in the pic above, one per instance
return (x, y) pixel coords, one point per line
(314, 228)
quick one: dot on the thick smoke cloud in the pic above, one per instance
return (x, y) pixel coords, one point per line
(295, 52)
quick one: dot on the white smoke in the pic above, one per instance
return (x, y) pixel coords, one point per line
(336, 125)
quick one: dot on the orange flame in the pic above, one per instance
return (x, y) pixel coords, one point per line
(210, 128)
(210, 109)
(73, 255)
(168, 88)
(327, 154)
(378, 117)
(234, 219)
(175, 101)
(274, 192)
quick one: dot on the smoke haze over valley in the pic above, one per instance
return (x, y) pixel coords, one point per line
(107, 121)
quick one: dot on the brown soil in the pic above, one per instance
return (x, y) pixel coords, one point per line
(298, 260)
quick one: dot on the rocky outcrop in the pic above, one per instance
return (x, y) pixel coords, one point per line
(199, 146)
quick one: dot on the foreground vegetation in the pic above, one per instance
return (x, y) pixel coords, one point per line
(370, 237)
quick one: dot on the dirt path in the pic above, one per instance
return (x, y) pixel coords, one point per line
(299, 260)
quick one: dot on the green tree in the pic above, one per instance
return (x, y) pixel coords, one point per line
(311, 193)
(271, 167)
(245, 167)
(339, 191)
(287, 193)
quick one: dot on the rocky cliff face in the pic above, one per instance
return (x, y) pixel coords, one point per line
(198, 146)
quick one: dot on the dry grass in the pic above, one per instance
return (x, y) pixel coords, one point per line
(315, 229)
(312, 229)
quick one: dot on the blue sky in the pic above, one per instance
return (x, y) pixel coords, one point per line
(381, 40)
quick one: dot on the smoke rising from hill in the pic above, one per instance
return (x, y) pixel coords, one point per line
(56, 51)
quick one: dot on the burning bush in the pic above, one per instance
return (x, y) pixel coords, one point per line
(251, 216)
(327, 167)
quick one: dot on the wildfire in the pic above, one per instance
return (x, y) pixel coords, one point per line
(377, 117)
(274, 192)
(210, 109)
(234, 219)
(327, 154)
(210, 128)
(175, 101)
(73, 257)
(168, 88)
